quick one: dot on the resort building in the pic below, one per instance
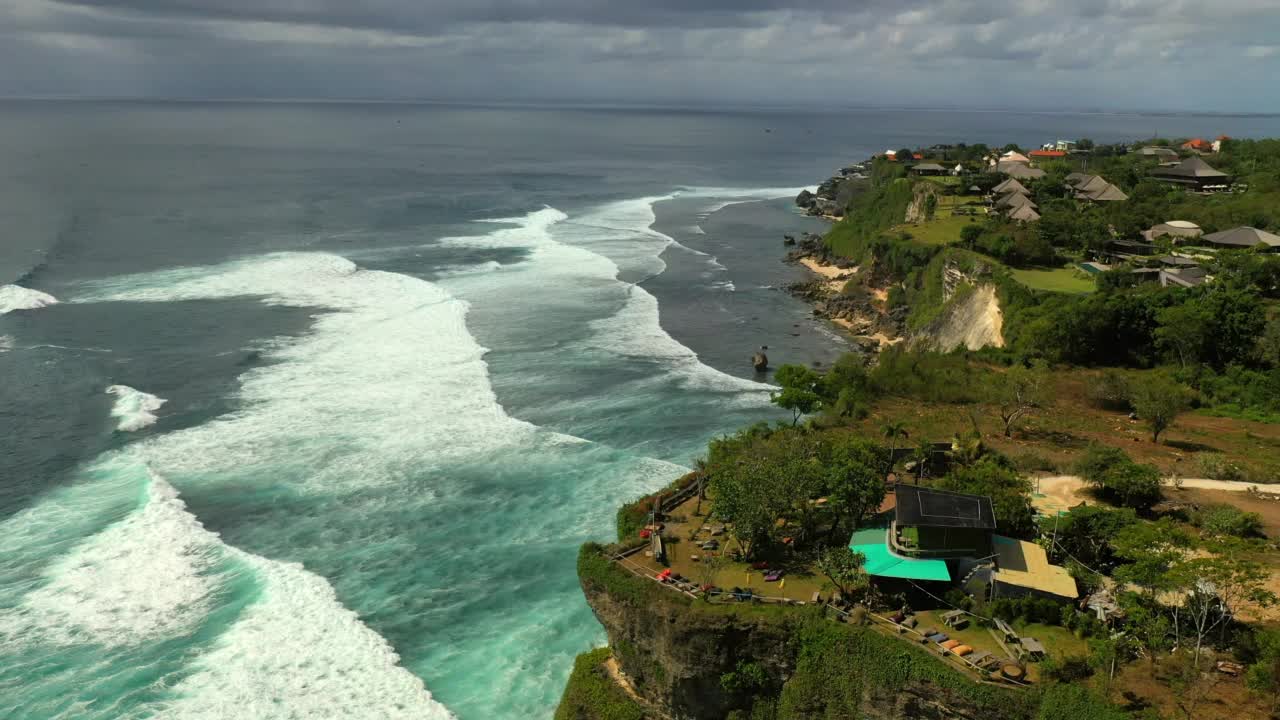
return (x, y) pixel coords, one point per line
(1094, 188)
(1175, 229)
(1244, 237)
(928, 169)
(1193, 174)
(939, 536)
(1163, 154)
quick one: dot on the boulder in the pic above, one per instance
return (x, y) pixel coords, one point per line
(804, 199)
(760, 361)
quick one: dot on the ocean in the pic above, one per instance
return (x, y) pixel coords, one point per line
(306, 408)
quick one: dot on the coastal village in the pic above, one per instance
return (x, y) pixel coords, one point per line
(993, 483)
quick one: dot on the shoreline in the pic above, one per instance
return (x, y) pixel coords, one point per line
(857, 316)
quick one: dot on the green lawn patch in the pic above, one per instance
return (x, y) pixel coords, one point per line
(942, 230)
(592, 695)
(1061, 280)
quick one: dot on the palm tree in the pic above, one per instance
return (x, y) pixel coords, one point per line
(892, 431)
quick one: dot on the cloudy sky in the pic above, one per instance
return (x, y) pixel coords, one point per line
(1210, 55)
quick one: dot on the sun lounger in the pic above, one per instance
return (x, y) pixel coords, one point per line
(950, 644)
(962, 650)
(939, 637)
(773, 576)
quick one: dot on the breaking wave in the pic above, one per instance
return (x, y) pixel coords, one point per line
(133, 408)
(16, 297)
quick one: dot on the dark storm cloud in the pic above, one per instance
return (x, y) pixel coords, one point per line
(1096, 53)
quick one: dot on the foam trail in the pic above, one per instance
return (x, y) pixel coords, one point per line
(154, 575)
(595, 250)
(16, 297)
(134, 408)
(6, 343)
(143, 578)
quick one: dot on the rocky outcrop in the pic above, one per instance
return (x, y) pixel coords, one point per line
(974, 321)
(760, 361)
(675, 658)
(832, 197)
(920, 197)
(971, 316)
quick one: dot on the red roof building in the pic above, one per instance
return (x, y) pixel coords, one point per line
(1047, 153)
(1197, 144)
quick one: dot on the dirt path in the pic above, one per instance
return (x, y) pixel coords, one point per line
(1063, 492)
(616, 674)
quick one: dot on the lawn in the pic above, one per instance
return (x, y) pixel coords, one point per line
(1062, 280)
(943, 229)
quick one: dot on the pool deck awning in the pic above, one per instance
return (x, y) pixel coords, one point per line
(883, 562)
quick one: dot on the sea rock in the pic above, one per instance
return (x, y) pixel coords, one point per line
(788, 240)
(760, 361)
(804, 199)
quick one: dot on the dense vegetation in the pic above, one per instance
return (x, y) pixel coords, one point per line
(1221, 339)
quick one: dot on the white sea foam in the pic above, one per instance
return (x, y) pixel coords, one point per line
(293, 652)
(298, 653)
(16, 297)
(134, 408)
(393, 346)
(144, 577)
(6, 343)
(635, 331)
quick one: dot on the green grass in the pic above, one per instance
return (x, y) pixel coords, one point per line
(592, 694)
(1062, 280)
(943, 229)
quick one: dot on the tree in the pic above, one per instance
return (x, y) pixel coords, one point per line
(1084, 144)
(904, 155)
(1159, 400)
(799, 391)
(1010, 493)
(843, 567)
(969, 235)
(1151, 552)
(1264, 673)
(1110, 472)
(892, 431)
(1019, 391)
(854, 482)
(930, 206)
(709, 566)
(1089, 531)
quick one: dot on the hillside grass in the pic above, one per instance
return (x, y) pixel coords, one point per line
(592, 695)
(942, 230)
(1060, 280)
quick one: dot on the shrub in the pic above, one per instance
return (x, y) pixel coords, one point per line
(1111, 391)
(1110, 471)
(1228, 520)
(1216, 467)
(1033, 462)
(1067, 669)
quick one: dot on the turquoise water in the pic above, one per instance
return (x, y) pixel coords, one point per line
(307, 409)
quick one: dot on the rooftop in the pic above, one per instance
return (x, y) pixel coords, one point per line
(1026, 565)
(1192, 167)
(1243, 237)
(873, 543)
(926, 507)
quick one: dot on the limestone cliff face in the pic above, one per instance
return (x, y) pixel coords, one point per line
(675, 658)
(674, 652)
(971, 316)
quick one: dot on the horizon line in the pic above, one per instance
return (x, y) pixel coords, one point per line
(639, 105)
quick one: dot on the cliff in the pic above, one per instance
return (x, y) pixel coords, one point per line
(688, 660)
(955, 303)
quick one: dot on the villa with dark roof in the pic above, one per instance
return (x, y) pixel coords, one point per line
(933, 535)
(1193, 174)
